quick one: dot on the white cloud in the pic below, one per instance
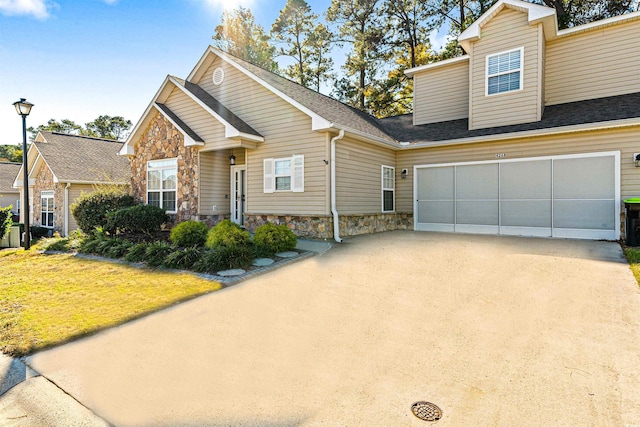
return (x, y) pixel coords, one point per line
(439, 39)
(37, 8)
(228, 4)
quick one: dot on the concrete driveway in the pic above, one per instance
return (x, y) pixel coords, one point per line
(494, 330)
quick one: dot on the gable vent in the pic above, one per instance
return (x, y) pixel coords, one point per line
(218, 76)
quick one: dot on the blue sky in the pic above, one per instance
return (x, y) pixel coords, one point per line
(80, 59)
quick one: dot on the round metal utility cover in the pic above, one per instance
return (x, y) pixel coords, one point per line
(426, 411)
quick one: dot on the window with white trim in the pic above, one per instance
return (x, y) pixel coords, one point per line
(388, 188)
(286, 174)
(46, 208)
(504, 71)
(162, 184)
(16, 207)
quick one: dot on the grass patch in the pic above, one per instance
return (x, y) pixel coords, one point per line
(633, 256)
(47, 300)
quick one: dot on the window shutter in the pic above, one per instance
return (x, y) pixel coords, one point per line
(297, 176)
(269, 180)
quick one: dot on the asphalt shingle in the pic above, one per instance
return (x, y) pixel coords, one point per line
(8, 173)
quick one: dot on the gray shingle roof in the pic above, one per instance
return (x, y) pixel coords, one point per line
(572, 113)
(83, 159)
(8, 174)
(182, 125)
(219, 109)
(326, 107)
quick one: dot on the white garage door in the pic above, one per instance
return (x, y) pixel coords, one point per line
(574, 196)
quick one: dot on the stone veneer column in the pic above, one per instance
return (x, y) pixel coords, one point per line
(44, 182)
(161, 140)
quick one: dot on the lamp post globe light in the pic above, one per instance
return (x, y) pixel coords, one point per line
(23, 107)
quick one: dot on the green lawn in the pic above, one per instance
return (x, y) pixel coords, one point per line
(47, 300)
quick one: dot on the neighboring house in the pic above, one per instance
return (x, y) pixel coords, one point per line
(61, 167)
(532, 132)
(9, 196)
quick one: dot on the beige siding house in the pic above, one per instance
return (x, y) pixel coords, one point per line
(532, 132)
(61, 167)
(9, 196)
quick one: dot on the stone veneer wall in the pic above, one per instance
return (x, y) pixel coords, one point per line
(162, 140)
(44, 182)
(321, 227)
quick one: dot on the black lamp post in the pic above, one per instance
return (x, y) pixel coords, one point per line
(23, 107)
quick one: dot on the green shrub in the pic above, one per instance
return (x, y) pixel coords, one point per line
(189, 233)
(227, 234)
(91, 209)
(54, 244)
(91, 243)
(118, 249)
(156, 253)
(145, 219)
(270, 239)
(5, 220)
(224, 258)
(183, 258)
(136, 252)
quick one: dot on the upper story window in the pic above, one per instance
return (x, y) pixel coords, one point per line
(162, 184)
(504, 71)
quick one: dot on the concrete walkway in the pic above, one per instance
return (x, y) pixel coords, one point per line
(494, 330)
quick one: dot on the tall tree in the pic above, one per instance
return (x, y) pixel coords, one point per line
(410, 23)
(108, 127)
(292, 29)
(10, 153)
(361, 24)
(53, 125)
(320, 44)
(239, 35)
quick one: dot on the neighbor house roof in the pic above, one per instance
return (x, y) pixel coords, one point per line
(592, 111)
(8, 173)
(81, 159)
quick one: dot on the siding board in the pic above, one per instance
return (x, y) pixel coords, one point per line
(441, 94)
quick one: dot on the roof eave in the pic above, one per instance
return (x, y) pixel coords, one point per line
(586, 127)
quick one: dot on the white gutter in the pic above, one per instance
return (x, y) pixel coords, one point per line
(66, 209)
(334, 211)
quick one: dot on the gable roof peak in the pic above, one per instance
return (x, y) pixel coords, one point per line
(535, 14)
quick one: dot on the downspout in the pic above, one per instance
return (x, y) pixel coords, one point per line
(66, 209)
(334, 211)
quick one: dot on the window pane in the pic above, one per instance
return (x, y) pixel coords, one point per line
(154, 180)
(169, 200)
(50, 220)
(283, 183)
(387, 200)
(43, 204)
(50, 204)
(43, 219)
(169, 180)
(153, 199)
(283, 167)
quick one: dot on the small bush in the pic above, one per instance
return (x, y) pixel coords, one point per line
(54, 244)
(270, 239)
(224, 258)
(5, 220)
(90, 244)
(183, 258)
(118, 248)
(227, 234)
(136, 252)
(156, 253)
(189, 233)
(145, 219)
(91, 209)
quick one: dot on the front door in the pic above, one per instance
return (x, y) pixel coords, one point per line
(238, 193)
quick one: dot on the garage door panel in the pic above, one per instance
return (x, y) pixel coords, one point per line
(477, 212)
(516, 179)
(526, 213)
(436, 183)
(584, 178)
(438, 212)
(476, 182)
(584, 214)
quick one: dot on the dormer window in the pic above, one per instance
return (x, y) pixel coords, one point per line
(504, 72)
